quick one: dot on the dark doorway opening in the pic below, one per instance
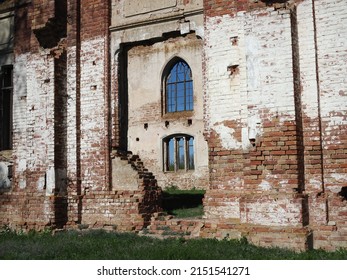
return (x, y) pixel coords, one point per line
(183, 203)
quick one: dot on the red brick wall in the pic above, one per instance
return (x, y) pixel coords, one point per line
(54, 143)
(289, 86)
(227, 7)
(330, 62)
(94, 59)
(295, 172)
(267, 174)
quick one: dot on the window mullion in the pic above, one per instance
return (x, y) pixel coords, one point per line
(176, 97)
(185, 153)
(185, 93)
(176, 80)
(175, 154)
(165, 156)
(185, 90)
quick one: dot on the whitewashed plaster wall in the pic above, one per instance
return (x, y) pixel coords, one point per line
(145, 71)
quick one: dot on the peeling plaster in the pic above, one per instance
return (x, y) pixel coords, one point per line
(236, 183)
(252, 54)
(40, 184)
(5, 183)
(272, 213)
(226, 135)
(22, 183)
(341, 178)
(245, 138)
(265, 185)
(22, 164)
(230, 209)
(50, 174)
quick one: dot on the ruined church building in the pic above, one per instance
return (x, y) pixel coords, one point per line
(104, 104)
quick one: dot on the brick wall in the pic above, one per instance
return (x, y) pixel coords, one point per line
(323, 63)
(94, 82)
(29, 201)
(274, 116)
(91, 203)
(264, 74)
(331, 67)
(253, 134)
(226, 7)
(61, 123)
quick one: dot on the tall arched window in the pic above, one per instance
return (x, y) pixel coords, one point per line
(178, 152)
(179, 88)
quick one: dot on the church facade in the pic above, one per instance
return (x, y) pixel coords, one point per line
(104, 104)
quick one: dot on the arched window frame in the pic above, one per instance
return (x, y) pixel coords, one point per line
(177, 89)
(178, 153)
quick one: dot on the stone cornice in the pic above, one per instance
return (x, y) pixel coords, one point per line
(156, 20)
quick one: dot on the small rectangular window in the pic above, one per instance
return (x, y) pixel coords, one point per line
(178, 153)
(6, 96)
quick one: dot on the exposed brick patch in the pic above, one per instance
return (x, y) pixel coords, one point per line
(24, 211)
(162, 225)
(294, 238)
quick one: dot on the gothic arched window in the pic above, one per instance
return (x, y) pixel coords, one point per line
(179, 88)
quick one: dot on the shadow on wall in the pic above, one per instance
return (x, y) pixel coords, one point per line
(270, 2)
(179, 199)
(343, 193)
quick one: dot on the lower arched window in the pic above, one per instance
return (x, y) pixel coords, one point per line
(178, 153)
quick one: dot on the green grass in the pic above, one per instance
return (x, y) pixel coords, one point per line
(194, 212)
(99, 244)
(183, 203)
(175, 190)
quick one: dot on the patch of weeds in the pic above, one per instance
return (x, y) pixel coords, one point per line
(164, 228)
(6, 230)
(243, 240)
(171, 188)
(83, 226)
(145, 231)
(172, 233)
(98, 244)
(195, 212)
